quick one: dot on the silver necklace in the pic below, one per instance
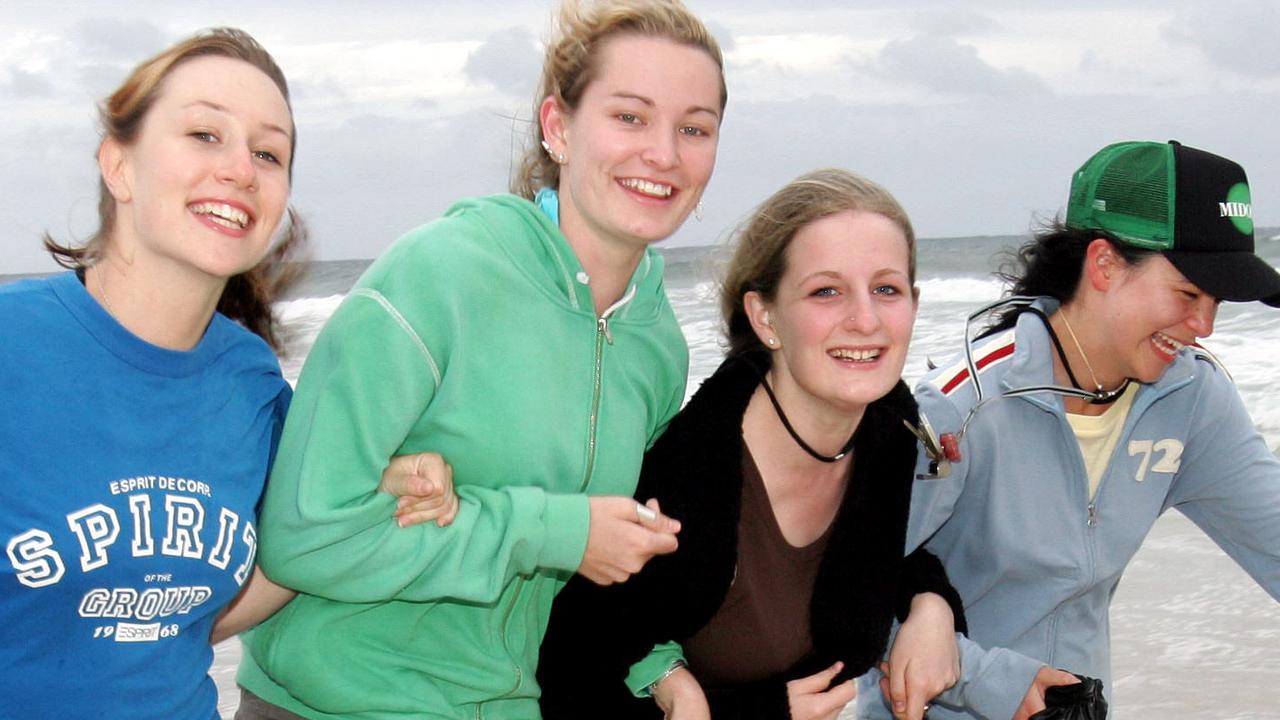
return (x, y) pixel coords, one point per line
(106, 299)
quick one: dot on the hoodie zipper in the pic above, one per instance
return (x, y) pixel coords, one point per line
(597, 375)
(602, 335)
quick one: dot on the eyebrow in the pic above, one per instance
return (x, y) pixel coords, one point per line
(219, 108)
(649, 102)
(882, 272)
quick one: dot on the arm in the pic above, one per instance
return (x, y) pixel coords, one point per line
(924, 658)
(680, 697)
(325, 528)
(652, 667)
(258, 600)
(1228, 483)
(923, 574)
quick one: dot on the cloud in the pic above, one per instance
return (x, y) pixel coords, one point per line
(23, 84)
(1235, 35)
(322, 88)
(504, 59)
(942, 64)
(722, 34)
(366, 181)
(117, 40)
(955, 21)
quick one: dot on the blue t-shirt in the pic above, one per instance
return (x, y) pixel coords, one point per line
(130, 478)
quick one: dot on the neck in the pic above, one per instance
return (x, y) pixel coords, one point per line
(781, 461)
(822, 433)
(610, 270)
(609, 262)
(805, 494)
(153, 301)
(1073, 364)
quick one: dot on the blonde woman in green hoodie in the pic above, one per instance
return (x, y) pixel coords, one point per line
(528, 339)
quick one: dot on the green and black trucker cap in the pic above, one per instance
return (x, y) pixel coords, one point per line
(1191, 205)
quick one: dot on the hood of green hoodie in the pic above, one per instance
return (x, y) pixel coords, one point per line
(550, 261)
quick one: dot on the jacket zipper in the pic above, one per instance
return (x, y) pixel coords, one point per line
(506, 621)
(597, 375)
(602, 335)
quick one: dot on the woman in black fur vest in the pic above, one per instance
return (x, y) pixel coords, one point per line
(790, 471)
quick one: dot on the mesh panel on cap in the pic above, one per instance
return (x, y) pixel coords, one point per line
(1136, 184)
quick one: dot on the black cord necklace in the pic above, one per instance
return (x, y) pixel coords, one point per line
(1100, 396)
(803, 445)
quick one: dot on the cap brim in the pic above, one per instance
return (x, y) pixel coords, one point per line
(1232, 276)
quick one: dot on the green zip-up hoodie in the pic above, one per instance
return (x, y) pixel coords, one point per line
(475, 337)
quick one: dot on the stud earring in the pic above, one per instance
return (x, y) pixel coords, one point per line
(772, 341)
(697, 211)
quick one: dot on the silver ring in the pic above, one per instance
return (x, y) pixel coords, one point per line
(643, 513)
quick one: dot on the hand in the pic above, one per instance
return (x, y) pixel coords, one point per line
(810, 699)
(924, 660)
(1033, 701)
(424, 484)
(680, 697)
(623, 536)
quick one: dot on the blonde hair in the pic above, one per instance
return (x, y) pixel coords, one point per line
(572, 61)
(760, 256)
(247, 297)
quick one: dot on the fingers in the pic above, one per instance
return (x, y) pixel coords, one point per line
(646, 532)
(423, 483)
(413, 510)
(623, 536)
(814, 697)
(1061, 677)
(818, 681)
(898, 689)
(419, 475)
(840, 695)
(450, 513)
(418, 503)
(1033, 701)
(650, 516)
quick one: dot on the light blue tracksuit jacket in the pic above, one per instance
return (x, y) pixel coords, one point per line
(1034, 559)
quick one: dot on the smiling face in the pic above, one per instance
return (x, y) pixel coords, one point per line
(640, 146)
(205, 183)
(843, 313)
(1149, 312)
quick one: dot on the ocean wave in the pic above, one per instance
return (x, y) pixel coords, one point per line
(960, 289)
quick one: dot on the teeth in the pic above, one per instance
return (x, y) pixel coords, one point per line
(1166, 343)
(223, 214)
(855, 355)
(646, 187)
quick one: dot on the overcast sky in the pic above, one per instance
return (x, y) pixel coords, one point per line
(973, 113)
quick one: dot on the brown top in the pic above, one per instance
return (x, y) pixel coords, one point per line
(762, 628)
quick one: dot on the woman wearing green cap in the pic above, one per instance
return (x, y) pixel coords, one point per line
(1084, 411)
